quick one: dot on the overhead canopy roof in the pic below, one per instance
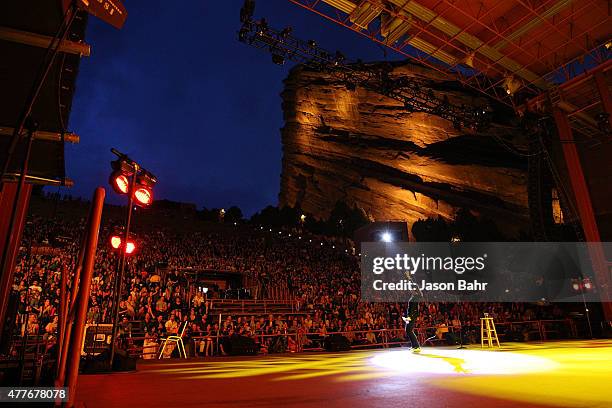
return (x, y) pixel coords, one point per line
(529, 45)
(547, 53)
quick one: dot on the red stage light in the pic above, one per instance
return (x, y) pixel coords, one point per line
(115, 241)
(119, 182)
(143, 196)
(116, 244)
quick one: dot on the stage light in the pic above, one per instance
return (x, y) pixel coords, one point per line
(511, 85)
(247, 10)
(469, 59)
(143, 196)
(386, 237)
(120, 177)
(130, 247)
(286, 32)
(576, 286)
(115, 241)
(119, 182)
(278, 59)
(143, 191)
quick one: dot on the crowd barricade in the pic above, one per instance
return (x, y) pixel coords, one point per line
(249, 302)
(538, 330)
(34, 351)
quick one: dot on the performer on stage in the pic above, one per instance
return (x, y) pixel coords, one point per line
(410, 319)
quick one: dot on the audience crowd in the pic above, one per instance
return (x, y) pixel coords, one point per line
(320, 275)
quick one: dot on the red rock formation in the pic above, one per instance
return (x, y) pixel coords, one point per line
(367, 150)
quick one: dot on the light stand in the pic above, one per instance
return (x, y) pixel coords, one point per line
(461, 346)
(131, 179)
(586, 308)
(119, 275)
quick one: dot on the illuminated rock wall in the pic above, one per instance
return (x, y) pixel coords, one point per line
(365, 149)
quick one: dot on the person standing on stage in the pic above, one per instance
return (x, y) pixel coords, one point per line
(412, 313)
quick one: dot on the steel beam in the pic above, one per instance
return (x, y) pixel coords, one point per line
(604, 92)
(7, 266)
(582, 198)
(42, 135)
(43, 41)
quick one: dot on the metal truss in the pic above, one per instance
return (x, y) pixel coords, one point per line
(414, 94)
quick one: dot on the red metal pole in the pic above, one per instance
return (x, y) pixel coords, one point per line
(83, 296)
(583, 203)
(8, 196)
(69, 309)
(606, 101)
(61, 324)
(120, 272)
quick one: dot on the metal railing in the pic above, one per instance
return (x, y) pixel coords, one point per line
(302, 341)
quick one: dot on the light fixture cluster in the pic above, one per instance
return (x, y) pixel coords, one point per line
(122, 181)
(582, 285)
(116, 243)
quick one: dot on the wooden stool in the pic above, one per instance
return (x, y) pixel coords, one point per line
(487, 331)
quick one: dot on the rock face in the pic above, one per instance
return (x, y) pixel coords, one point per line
(365, 149)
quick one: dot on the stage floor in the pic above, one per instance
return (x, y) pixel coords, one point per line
(567, 374)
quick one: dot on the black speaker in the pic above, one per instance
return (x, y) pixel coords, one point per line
(9, 324)
(98, 363)
(337, 342)
(241, 345)
(123, 362)
(95, 363)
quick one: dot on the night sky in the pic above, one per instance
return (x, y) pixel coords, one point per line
(176, 91)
